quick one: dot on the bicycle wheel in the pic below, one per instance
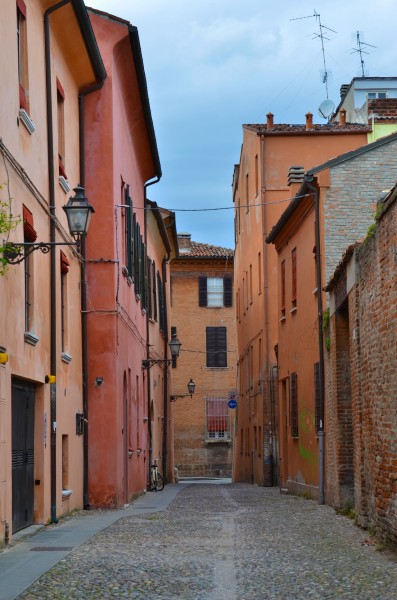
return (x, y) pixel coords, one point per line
(160, 482)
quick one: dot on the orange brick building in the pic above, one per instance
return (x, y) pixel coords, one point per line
(203, 317)
(264, 182)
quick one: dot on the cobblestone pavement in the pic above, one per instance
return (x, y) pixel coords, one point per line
(238, 542)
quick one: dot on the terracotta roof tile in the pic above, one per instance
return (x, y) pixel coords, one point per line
(198, 250)
(330, 128)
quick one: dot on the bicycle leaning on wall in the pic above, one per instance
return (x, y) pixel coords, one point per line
(156, 478)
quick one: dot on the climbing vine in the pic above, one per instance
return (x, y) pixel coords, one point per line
(8, 222)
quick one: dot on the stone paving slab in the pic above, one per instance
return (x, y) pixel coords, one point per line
(234, 542)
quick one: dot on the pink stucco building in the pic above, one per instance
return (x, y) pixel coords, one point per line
(121, 161)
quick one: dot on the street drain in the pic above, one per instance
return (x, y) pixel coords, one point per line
(51, 549)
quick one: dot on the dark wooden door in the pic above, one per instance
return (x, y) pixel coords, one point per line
(23, 395)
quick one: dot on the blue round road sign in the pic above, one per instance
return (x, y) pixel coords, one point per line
(232, 403)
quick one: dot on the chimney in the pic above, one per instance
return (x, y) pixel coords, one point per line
(295, 178)
(309, 120)
(342, 117)
(184, 243)
(343, 90)
(269, 122)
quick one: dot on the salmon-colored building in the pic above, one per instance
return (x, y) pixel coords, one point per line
(203, 319)
(49, 60)
(121, 161)
(272, 157)
(161, 250)
(333, 208)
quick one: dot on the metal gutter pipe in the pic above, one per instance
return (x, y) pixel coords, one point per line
(99, 70)
(53, 306)
(165, 387)
(321, 458)
(149, 422)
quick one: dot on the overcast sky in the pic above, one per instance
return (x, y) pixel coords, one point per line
(213, 65)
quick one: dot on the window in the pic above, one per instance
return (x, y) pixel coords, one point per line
(283, 289)
(215, 292)
(259, 273)
(250, 284)
(64, 301)
(294, 405)
(247, 197)
(216, 347)
(22, 56)
(61, 129)
(173, 358)
(217, 420)
(160, 290)
(317, 396)
(29, 236)
(256, 176)
(65, 462)
(294, 278)
(374, 95)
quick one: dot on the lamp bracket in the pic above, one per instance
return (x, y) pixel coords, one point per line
(15, 253)
(149, 362)
(174, 397)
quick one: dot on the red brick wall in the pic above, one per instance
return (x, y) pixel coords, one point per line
(373, 377)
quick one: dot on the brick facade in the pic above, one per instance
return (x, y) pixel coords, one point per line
(370, 314)
(195, 453)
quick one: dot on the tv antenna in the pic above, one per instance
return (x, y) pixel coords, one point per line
(360, 50)
(322, 35)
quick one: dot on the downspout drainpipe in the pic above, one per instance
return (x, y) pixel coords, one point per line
(83, 295)
(53, 305)
(265, 385)
(321, 458)
(165, 388)
(149, 422)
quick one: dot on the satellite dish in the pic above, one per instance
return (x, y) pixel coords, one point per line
(326, 108)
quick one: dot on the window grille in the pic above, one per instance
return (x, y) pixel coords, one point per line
(217, 420)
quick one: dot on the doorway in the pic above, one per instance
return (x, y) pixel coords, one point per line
(23, 401)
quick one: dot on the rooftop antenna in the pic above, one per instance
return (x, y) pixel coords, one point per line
(322, 35)
(360, 50)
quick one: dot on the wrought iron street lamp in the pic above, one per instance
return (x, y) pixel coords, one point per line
(174, 345)
(78, 212)
(191, 386)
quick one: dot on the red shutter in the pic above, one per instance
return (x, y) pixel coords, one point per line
(23, 103)
(29, 231)
(21, 6)
(65, 263)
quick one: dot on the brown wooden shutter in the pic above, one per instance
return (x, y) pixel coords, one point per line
(283, 285)
(227, 291)
(202, 291)
(294, 274)
(216, 346)
(29, 231)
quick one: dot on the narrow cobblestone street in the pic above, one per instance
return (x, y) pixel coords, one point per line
(238, 542)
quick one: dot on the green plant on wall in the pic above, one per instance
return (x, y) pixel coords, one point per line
(327, 339)
(8, 223)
